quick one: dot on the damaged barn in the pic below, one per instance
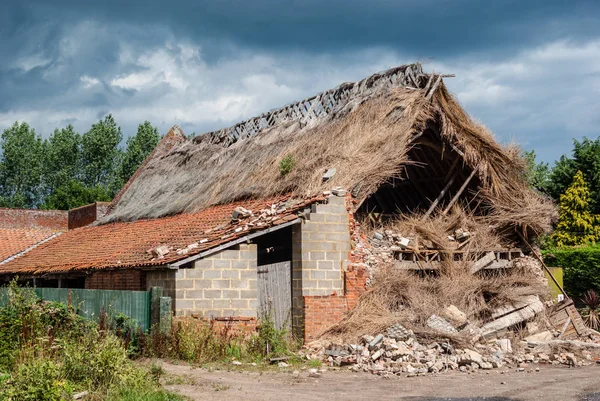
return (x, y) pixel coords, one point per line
(377, 207)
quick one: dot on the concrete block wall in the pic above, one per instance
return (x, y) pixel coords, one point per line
(221, 285)
(321, 247)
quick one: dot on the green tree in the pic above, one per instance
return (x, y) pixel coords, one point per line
(537, 174)
(585, 158)
(20, 167)
(576, 224)
(62, 159)
(100, 153)
(73, 194)
(138, 148)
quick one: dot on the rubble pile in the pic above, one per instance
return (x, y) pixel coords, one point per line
(398, 352)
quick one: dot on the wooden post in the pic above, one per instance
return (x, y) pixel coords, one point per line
(155, 295)
(165, 315)
(460, 191)
(440, 196)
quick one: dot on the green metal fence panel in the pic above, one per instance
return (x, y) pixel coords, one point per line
(91, 303)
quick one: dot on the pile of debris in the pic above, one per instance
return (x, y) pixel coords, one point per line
(447, 292)
(398, 352)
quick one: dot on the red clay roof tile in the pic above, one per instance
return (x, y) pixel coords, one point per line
(126, 244)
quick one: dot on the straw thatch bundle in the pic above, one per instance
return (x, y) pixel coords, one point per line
(366, 139)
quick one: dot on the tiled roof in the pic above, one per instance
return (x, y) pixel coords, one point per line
(126, 244)
(16, 240)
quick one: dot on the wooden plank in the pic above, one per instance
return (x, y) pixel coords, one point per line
(484, 261)
(514, 306)
(513, 318)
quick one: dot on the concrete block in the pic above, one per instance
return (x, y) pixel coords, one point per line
(325, 246)
(239, 284)
(335, 256)
(337, 228)
(202, 284)
(247, 313)
(194, 273)
(203, 304)
(230, 254)
(221, 284)
(222, 264)
(179, 274)
(232, 274)
(179, 294)
(336, 200)
(221, 304)
(336, 218)
(240, 304)
(248, 274)
(333, 275)
(185, 304)
(248, 255)
(324, 284)
(317, 275)
(338, 209)
(252, 284)
(183, 284)
(212, 313)
(239, 264)
(203, 264)
(211, 274)
(317, 236)
(194, 294)
(317, 255)
(248, 294)
(317, 217)
(231, 294)
(213, 294)
(309, 227)
(325, 265)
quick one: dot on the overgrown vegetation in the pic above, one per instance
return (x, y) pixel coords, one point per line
(286, 165)
(47, 352)
(591, 312)
(199, 341)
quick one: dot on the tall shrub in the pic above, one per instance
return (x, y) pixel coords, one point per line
(576, 224)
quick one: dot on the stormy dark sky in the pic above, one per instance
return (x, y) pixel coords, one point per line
(529, 70)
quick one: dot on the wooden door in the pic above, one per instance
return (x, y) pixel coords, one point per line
(275, 293)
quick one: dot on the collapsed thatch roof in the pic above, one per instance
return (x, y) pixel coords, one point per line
(364, 130)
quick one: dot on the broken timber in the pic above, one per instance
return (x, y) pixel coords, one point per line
(432, 259)
(517, 314)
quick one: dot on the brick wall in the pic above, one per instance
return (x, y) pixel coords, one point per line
(221, 285)
(26, 218)
(131, 280)
(85, 215)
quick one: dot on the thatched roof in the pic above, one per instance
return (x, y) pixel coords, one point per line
(365, 130)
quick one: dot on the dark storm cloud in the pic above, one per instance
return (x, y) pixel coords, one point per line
(205, 64)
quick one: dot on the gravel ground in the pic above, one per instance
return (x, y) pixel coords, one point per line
(549, 384)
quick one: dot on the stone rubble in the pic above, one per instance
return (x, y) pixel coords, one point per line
(399, 353)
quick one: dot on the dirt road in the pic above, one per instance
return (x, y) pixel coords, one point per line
(549, 384)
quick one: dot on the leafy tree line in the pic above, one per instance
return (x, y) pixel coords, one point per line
(69, 169)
